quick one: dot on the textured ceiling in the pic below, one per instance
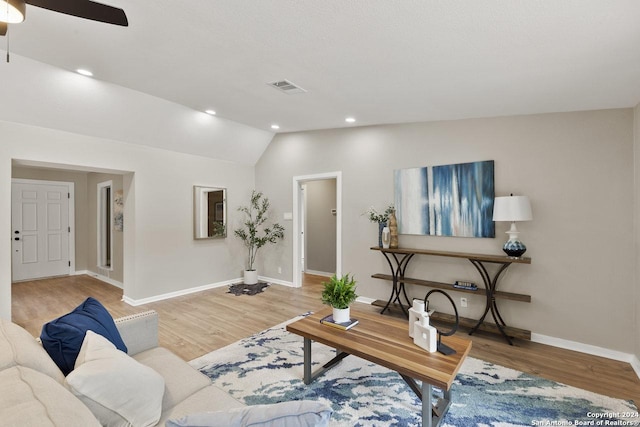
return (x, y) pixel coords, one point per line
(381, 61)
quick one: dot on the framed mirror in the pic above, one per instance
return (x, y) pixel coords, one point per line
(210, 212)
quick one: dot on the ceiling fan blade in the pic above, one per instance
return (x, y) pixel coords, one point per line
(3, 28)
(85, 9)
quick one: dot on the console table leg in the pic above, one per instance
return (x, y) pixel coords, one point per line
(490, 287)
(398, 287)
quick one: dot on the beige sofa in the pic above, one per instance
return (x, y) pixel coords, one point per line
(33, 390)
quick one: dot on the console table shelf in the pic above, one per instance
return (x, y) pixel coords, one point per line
(401, 258)
(449, 286)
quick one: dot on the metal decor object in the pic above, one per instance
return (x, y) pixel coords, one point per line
(443, 348)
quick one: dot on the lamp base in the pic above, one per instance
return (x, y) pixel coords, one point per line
(514, 248)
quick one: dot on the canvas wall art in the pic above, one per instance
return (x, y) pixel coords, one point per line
(450, 200)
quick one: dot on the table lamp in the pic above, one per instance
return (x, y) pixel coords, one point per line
(512, 208)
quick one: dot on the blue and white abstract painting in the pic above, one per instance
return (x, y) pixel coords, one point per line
(450, 200)
(412, 212)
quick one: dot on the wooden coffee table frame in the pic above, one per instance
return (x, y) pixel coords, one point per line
(385, 341)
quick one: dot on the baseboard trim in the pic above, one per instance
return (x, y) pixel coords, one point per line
(319, 273)
(586, 348)
(365, 300)
(100, 277)
(137, 302)
(276, 281)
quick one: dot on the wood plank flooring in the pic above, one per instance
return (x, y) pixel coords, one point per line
(196, 324)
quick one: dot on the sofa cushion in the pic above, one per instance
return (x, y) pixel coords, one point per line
(18, 347)
(30, 398)
(62, 337)
(181, 380)
(209, 398)
(119, 390)
(297, 413)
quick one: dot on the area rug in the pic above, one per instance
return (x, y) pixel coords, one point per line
(267, 368)
(242, 289)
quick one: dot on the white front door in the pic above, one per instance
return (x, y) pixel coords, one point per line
(39, 229)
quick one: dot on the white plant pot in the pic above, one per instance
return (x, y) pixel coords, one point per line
(341, 315)
(250, 277)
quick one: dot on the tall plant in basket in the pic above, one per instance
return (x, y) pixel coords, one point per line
(254, 234)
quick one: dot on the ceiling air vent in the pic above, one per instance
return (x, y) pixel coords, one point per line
(287, 87)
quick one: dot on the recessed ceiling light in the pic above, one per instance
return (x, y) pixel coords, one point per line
(350, 120)
(275, 126)
(84, 72)
(210, 112)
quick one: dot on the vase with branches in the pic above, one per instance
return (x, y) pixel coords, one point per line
(381, 218)
(254, 233)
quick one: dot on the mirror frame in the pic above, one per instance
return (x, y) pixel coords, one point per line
(201, 213)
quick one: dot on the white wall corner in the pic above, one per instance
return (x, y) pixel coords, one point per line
(635, 364)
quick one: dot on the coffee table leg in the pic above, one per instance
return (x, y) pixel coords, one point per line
(307, 361)
(427, 405)
(309, 376)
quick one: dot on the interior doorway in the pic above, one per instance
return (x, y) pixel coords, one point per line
(301, 239)
(318, 230)
(83, 220)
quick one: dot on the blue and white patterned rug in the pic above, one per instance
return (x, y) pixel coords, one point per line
(267, 368)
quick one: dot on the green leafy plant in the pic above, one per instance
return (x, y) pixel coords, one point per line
(375, 216)
(339, 292)
(254, 234)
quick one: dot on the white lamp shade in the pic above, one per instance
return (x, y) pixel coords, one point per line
(512, 208)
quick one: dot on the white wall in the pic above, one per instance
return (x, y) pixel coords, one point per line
(49, 115)
(160, 255)
(577, 168)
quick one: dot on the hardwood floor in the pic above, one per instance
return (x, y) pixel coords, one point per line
(196, 324)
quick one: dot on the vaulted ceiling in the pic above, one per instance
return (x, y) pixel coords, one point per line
(379, 61)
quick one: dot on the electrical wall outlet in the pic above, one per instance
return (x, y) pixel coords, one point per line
(463, 302)
(279, 270)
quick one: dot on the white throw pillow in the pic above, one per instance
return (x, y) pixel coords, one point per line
(119, 390)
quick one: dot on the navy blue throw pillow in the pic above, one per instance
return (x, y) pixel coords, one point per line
(62, 337)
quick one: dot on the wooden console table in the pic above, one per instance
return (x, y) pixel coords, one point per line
(401, 258)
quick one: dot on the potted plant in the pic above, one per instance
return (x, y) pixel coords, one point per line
(339, 293)
(254, 234)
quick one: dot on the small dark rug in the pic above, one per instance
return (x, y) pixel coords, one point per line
(242, 289)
